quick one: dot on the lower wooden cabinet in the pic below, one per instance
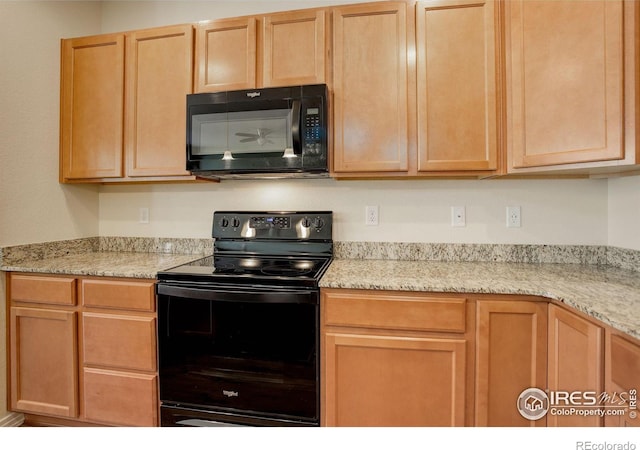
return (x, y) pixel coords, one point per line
(44, 364)
(622, 376)
(395, 359)
(512, 356)
(575, 365)
(83, 349)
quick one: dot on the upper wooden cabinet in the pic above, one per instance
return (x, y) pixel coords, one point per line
(99, 130)
(159, 76)
(457, 72)
(370, 89)
(92, 107)
(276, 50)
(226, 55)
(565, 81)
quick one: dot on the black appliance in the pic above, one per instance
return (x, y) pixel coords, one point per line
(238, 332)
(259, 133)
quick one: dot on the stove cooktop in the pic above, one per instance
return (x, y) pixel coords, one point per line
(256, 270)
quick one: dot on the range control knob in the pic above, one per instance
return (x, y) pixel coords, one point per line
(235, 222)
(224, 222)
(306, 222)
(318, 223)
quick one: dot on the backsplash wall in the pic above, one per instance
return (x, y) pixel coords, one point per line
(553, 211)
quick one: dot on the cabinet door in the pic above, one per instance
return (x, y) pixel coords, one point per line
(512, 356)
(622, 375)
(226, 55)
(393, 381)
(92, 107)
(564, 81)
(120, 398)
(575, 362)
(159, 76)
(44, 365)
(370, 88)
(294, 48)
(457, 95)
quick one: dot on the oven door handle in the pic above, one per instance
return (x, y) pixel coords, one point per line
(239, 295)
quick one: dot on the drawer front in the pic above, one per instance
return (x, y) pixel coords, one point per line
(132, 295)
(625, 363)
(120, 398)
(119, 341)
(37, 289)
(395, 311)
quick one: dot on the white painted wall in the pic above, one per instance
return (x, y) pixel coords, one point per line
(553, 211)
(34, 207)
(624, 212)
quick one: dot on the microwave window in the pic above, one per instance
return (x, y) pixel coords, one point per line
(241, 132)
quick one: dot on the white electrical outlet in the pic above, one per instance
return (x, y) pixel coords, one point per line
(513, 217)
(143, 215)
(458, 216)
(371, 215)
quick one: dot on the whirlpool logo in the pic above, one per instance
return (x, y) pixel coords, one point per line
(253, 94)
(229, 393)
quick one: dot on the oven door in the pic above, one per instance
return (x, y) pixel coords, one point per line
(238, 355)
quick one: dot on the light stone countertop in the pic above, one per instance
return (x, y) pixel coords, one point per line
(608, 294)
(104, 264)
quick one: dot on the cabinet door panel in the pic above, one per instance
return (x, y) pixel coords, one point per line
(44, 364)
(226, 55)
(127, 342)
(575, 361)
(130, 295)
(565, 81)
(159, 76)
(393, 381)
(120, 398)
(457, 103)
(370, 88)
(92, 107)
(294, 51)
(37, 289)
(512, 356)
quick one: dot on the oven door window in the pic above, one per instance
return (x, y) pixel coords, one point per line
(239, 356)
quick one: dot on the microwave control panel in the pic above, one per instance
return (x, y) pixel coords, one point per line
(314, 130)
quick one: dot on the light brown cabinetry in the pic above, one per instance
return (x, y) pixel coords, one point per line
(281, 49)
(457, 85)
(512, 356)
(93, 360)
(44, 364)
(117, 109)
(622, 376)
(565, 81)
(575, 362)
(371, 89)
(395, 359)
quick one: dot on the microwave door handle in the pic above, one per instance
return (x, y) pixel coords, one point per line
(295, 127)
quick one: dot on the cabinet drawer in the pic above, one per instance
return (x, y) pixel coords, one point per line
(120, 398)
(625, 363)
(395, 311)
(125, 342)
(36, 289)
(133, 295)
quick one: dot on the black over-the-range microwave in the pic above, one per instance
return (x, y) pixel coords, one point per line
(271, 132)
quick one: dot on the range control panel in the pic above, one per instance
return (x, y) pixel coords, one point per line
(309, 225)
